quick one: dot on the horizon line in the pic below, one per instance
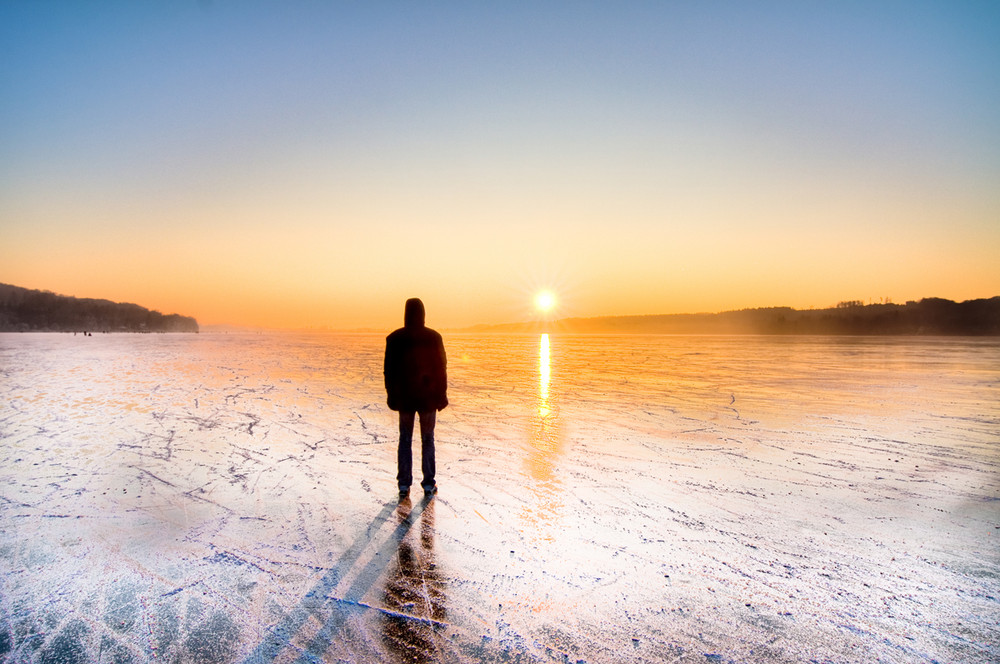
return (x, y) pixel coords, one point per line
(486, 327)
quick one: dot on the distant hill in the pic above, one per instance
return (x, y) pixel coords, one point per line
(23, 310)
(930, 316)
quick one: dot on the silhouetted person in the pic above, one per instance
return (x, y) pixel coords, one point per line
(416, 381)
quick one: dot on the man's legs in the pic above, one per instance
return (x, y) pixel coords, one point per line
(427, 420)
(404, 455)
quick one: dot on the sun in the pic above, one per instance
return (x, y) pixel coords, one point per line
(545, 301)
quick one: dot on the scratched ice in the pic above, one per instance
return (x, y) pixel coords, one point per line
(231, 498)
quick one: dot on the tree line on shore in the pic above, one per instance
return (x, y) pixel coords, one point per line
(24, 310)
(930, 316)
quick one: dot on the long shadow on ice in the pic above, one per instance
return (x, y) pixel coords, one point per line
(414, 594)
(334, 610)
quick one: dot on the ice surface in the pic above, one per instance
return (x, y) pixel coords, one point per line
(231, 498)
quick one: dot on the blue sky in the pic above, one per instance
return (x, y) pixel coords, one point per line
(323, 160)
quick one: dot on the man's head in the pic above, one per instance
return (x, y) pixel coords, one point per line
(413, 316)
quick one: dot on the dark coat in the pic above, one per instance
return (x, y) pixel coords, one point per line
(416, 378)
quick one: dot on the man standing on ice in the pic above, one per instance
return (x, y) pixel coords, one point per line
(416, 381)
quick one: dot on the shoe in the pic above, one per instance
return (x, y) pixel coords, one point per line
(430, 491)
(404, 491)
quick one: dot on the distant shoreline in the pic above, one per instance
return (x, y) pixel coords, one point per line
(25, 310)
(928, 317)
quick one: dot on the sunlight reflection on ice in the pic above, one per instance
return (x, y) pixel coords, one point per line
(544, 374)
(544, 450)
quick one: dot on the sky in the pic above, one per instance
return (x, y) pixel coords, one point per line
(313, 164)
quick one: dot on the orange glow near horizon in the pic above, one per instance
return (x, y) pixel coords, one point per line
(359, 273)
(272, 296)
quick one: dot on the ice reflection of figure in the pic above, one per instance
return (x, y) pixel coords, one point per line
(416, 381)
(414, 593)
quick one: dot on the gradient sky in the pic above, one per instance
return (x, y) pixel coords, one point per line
(316, 163)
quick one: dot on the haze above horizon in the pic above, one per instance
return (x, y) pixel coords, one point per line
(314, 164)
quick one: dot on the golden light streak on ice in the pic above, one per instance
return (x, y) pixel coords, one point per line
(544, 374)
(544, 451)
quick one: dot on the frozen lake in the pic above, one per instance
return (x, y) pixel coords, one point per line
(231, 498)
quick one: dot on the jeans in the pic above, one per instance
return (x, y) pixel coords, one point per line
(404, 457)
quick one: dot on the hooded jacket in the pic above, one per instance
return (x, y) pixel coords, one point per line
(415, 369)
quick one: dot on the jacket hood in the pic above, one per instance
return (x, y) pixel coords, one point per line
(414, 313)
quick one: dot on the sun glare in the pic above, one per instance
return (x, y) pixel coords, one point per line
(545, 301)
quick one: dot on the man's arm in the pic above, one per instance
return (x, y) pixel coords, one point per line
(390, 369)
(442, 366)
